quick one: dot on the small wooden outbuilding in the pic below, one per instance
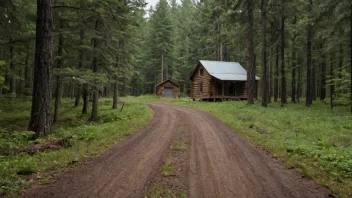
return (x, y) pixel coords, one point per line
(219, 80)
(168, 88)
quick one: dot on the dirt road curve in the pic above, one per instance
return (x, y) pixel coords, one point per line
(216, 162)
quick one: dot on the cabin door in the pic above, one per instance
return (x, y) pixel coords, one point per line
(168, 92)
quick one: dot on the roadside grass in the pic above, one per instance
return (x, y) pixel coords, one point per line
(317, 141)
(86, 139)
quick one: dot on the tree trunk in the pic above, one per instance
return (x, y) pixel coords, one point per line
(265, 91)
(58, 91)
(162, 65)
(80, 66)
(27, 84)
(85, 99)
(309, 101)
(313, 76)
(251, 58)
(116, 83)
(351, 59)
(12, 68)
(332, 83)
(40, 121)
(323, 76)
(94, 115)
(294, 65)
(299, 81)
(271, 83)
(283, 75)
(276, 78)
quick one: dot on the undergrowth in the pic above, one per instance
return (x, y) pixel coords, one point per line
(316, 140)
(86, 139)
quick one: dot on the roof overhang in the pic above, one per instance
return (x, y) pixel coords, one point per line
(167, 81)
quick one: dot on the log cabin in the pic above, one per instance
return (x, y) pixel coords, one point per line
(218, 80)
(168, 88)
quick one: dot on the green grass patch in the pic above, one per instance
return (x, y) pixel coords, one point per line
(159, 192)
(317, 141)
(180, 146)
(167, 170)
(86, 139)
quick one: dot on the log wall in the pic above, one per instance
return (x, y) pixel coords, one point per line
(167, 84)
(196, 79)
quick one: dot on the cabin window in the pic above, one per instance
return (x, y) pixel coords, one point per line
(200, 86)
(201, 72)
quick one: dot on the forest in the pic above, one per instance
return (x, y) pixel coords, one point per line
(70, 64)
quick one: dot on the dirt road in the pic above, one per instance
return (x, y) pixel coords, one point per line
(207, 159)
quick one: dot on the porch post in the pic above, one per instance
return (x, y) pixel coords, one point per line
(223, 88)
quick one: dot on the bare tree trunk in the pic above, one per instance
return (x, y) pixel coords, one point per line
(351, 59)
(332, 87)
(40, 121)
(58, 91)
(12, 68)
(265, 91)
(162, 65)
(294, 65)
(313, 76)
(27, 84)
(323, 76)
(251, 58)
(271, 68)
(276, 78)
(116, 83)
(94, 115)
(309, 101)
(80, 66)
(299, 81)
(85, 99)
(283, 72)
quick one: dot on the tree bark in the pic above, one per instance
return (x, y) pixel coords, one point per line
(283, 72)
(276, 78)
(332, 87)
(271, 68)
(294, 65)
(85, 99)
(27, 84)
(299, 81)
(251, 64)
(80, 66)
(12, 68)
(309, 101)
(162, 65)
(40, 121)
(94, 115)
(313, 76)
(58, 91)
(351, 59)
(116, 83)
(265, 91)
(323, 76)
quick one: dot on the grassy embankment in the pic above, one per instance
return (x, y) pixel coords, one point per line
(87, 139)
(317, 141)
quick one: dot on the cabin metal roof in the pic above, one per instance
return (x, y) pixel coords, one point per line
(226, 70)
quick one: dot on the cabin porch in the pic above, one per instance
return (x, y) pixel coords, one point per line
(227, 90)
